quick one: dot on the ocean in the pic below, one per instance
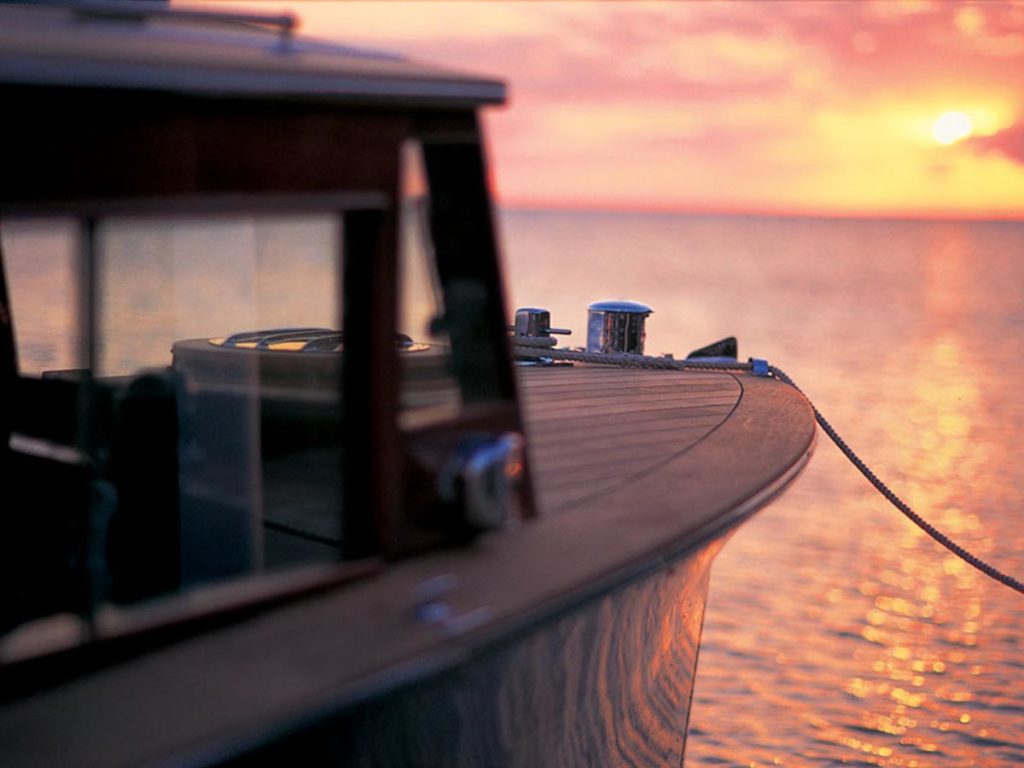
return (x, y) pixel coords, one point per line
(836, 632)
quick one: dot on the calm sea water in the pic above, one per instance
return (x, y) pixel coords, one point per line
(836, 632)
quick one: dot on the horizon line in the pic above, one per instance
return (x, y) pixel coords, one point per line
(766, 213)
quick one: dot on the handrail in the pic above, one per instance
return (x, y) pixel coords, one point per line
(284, 23)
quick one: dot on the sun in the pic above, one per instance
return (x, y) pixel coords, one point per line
(951, 126)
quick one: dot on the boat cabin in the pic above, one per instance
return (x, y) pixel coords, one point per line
(252, 316)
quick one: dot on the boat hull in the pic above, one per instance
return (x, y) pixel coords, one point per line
(608, 682)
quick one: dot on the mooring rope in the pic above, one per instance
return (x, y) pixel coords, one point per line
(539, 348)
(896, 501)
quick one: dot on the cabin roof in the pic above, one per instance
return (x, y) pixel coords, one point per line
(125, 46)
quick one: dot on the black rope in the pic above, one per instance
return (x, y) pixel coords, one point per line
(897, 502)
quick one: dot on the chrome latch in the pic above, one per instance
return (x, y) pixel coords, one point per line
(485, 479)
(533, 329)
(535, 323)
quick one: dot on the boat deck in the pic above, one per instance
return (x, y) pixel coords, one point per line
(595, 428)
(695, 450)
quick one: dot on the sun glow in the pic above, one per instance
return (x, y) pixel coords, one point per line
(950, 127)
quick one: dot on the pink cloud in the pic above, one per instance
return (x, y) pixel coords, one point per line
(1009, 142)
(769, 99)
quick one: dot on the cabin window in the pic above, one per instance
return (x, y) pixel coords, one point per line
(163, 280)
(179, 393)
(429, 389)
(42, 277)
(178, 415)
(245, 311)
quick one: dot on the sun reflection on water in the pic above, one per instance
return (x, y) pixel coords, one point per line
(900, 654)
(927, 601)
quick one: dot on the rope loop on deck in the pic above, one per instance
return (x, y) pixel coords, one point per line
(538, 348)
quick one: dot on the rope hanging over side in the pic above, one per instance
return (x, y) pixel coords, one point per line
(897, 502)
(538, 348)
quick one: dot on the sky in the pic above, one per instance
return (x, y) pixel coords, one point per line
(823, 108)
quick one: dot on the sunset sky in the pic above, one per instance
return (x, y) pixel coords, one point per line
(850, 108)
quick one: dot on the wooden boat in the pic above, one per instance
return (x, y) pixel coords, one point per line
(224, 547)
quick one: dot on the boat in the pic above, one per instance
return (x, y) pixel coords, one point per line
(280, 481)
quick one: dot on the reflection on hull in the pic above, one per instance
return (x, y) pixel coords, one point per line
(607, 682)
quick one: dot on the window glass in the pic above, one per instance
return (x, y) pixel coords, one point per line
(210, 445)
(429, 390)
(41, 266)
(162, 281)
(245, 311)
